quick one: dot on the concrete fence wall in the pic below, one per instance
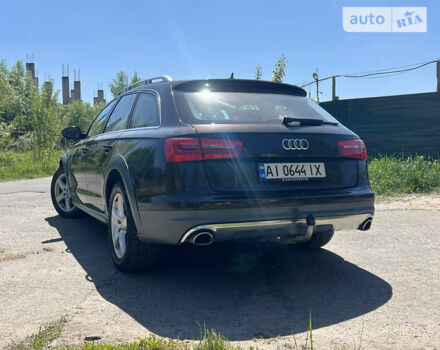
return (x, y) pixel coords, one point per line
(402, 124)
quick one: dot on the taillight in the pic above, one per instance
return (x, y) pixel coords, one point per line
(182, 150)
(353, 149)
(219, 148)
(191, 149)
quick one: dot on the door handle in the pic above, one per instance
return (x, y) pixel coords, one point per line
(107, 148)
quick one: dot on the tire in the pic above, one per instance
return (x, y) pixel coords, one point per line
(318, 240)
(61, 201)
(127, 251)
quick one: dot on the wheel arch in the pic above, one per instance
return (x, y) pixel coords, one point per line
(117, 170)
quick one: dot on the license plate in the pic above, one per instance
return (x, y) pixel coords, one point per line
(291, 171)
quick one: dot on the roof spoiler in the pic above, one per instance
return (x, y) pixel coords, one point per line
(239, 85)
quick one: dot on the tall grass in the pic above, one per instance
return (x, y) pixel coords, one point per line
(212, 340)
(15, 165)
(40, 340)
(402, 175)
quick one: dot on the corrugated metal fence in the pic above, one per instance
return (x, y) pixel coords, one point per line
(393, 125)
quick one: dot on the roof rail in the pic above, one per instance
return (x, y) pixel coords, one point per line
(161, 79)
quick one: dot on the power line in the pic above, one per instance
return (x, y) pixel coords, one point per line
(390, 68)
(385, 76)
(387, 73)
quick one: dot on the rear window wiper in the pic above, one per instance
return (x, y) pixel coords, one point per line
(305, 121)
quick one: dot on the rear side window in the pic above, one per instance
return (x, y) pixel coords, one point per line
(145, 112)
(118, 119)
(98, 124)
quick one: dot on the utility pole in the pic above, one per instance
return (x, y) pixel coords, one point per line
(333, 88)
(316, 77)
(438, 75)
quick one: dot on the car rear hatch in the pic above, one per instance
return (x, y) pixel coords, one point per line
(293, 168)
(242, 155)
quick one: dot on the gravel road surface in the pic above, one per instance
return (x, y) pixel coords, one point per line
(383, 283)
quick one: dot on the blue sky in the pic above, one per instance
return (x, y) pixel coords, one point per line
(211, 39)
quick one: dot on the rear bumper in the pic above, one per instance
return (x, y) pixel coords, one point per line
(300, 229)
(258, 218)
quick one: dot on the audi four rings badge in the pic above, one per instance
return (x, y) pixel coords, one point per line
(295, 144)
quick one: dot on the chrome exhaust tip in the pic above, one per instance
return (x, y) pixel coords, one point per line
(201, 238)
(365, 226)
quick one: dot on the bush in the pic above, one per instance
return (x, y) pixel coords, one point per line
(402, 175)
(80, 114)
(14, 165)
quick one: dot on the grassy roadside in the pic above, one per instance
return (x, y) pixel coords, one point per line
(392, 176)
(41, 340)
(210, 340)
(16, 166)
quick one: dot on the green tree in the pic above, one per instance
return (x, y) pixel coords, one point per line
(6, 93)
(17, 90)
(28, 112)
(135, 78)
(279, 70)
(258, 73)
(25, 121)
(46, 121)
(118, 83)
(14, 107)
(80, 114)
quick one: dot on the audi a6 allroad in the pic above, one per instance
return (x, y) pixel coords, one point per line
(204, 161)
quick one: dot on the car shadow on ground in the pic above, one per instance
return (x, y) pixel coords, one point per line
(240, 290)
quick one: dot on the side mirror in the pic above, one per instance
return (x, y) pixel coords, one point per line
(73, 133)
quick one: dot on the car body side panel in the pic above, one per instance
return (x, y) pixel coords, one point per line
(64, 163)
(76, 170)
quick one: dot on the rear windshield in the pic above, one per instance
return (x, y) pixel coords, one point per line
(206, 106)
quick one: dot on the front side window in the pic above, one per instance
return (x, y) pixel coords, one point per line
(145, 112)
(206, 106)
(98, 123)
(118, 119)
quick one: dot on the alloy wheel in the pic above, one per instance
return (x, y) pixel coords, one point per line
(119, 225)
(64, 201)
